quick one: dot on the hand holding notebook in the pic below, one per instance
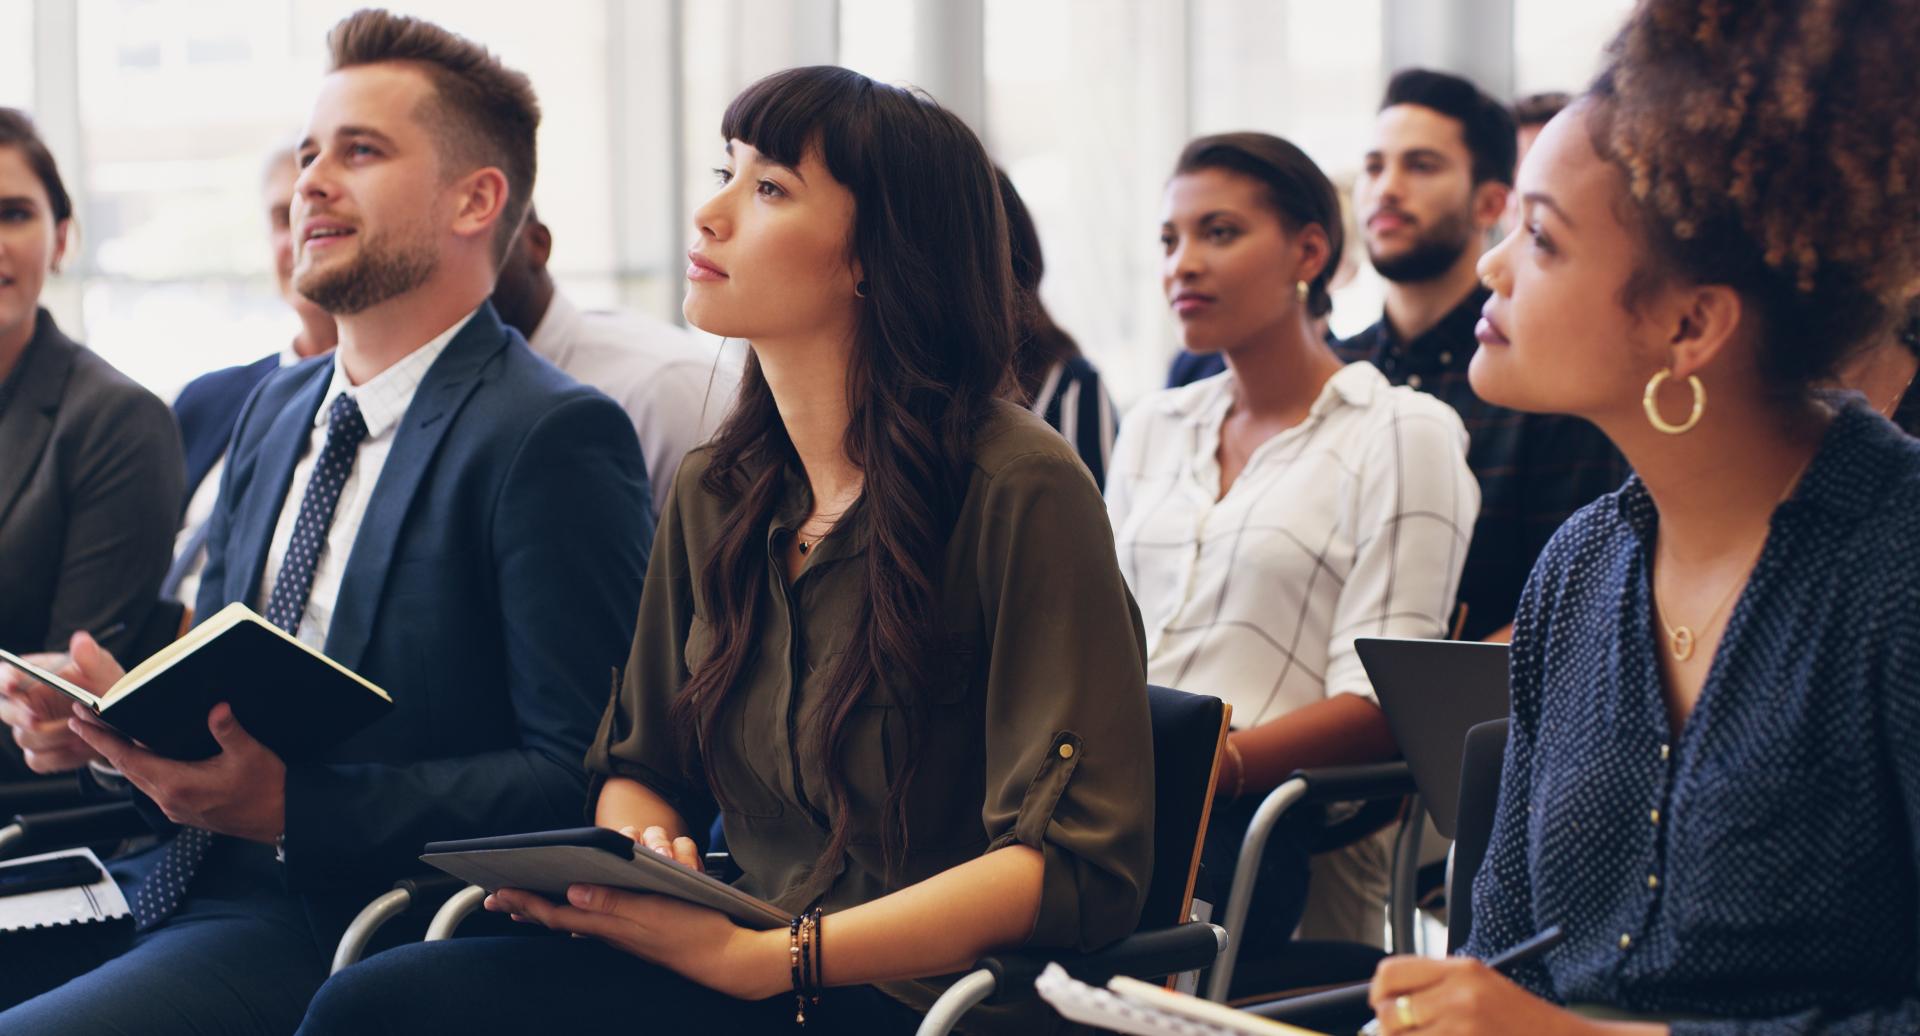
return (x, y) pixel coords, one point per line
(295, 700)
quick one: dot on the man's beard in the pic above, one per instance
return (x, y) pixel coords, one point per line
(1434, 252)
(380, 273)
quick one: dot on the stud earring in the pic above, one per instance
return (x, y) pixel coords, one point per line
(860, 290)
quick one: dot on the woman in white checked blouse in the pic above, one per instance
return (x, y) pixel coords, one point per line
(1270, 514)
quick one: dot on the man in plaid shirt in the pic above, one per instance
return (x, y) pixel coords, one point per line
(1434, 187)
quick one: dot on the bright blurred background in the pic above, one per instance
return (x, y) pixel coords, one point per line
(162, 111)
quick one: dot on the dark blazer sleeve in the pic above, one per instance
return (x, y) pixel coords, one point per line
(124, 507)
(208, 410)
(569, 542)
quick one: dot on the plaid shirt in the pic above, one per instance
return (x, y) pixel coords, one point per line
(1534, 469)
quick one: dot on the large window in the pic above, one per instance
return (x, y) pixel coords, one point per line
(1557, 46)
(180, 104)
(162, 112)
(16, 53)
(1089, 103)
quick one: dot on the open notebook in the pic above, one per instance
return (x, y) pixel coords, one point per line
(53, 908)
(290, 697)
(1131, 1006)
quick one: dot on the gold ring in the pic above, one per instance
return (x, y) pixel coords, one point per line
(1403, 1013)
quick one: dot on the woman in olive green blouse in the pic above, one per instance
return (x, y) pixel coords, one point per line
(883, 633)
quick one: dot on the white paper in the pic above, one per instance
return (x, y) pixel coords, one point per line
(1105, 1009)
(81, 904)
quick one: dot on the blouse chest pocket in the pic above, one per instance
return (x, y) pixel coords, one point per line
(945, 757)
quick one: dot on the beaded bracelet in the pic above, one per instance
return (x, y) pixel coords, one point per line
(793, 964)
(803, 960)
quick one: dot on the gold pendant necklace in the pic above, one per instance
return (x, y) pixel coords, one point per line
(1681, 640)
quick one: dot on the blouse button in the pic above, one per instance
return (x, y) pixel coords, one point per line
(1625, 940)
(1653, 881)
(1665, 751)
(1655, 815)
(1066, 751)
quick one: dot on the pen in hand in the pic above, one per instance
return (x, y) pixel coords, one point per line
(1529, 950)
(111, 631)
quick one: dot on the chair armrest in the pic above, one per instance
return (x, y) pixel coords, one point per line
(1143, 955)
(429, 890)
(1330, 1009)
(1356, 783)
(64, 791)
(419, 892)
(67, 827)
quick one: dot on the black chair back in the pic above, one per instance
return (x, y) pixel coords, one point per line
(1486, 751)
(1188, 731)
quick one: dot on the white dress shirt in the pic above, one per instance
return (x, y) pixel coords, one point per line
(1354, 522)
(674, 390)
(383, 401)
(200, 508)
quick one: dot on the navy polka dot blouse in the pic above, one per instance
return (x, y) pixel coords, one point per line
(1759, 868)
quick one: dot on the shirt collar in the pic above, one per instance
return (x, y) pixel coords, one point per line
(1354, 384)
(554, 336)
(1844, 478)
(1446, 336)
(384, 398)
(848, 538)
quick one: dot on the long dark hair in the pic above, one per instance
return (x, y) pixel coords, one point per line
(1041, 342)
(931, 353)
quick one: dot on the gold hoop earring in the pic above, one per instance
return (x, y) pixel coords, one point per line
(1301, 291)
(1651, 402)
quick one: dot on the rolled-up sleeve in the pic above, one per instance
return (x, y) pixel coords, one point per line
(1069, 750)
(636, 738)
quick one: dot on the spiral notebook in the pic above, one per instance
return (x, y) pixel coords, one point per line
(1135, 1007)
(55, 908)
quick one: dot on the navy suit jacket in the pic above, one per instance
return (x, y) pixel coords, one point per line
(492, 590)
(207, 410)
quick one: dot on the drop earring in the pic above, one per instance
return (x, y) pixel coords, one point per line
(1301, 291)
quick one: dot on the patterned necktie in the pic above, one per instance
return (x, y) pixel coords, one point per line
(163, 890)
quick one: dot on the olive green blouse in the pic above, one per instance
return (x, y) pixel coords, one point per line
(1037, 732)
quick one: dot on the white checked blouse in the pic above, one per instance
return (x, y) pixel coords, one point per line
(1353, 523)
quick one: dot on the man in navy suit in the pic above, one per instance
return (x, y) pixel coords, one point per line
(210, 404)
(444, 512)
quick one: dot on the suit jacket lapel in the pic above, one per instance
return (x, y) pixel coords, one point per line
(250, 528)
(28, 421)
(448, 383)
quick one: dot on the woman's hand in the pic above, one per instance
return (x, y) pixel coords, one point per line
(1461, 996)
(38, 715)
(700, 944)
(680, 850)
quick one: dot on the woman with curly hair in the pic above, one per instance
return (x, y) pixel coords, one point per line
(1710, 783)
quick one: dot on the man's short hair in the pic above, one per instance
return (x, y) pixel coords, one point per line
(1539, 109)
(485, 113)
(1484, 122)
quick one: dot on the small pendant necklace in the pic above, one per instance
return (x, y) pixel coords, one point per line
(1682, 639)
